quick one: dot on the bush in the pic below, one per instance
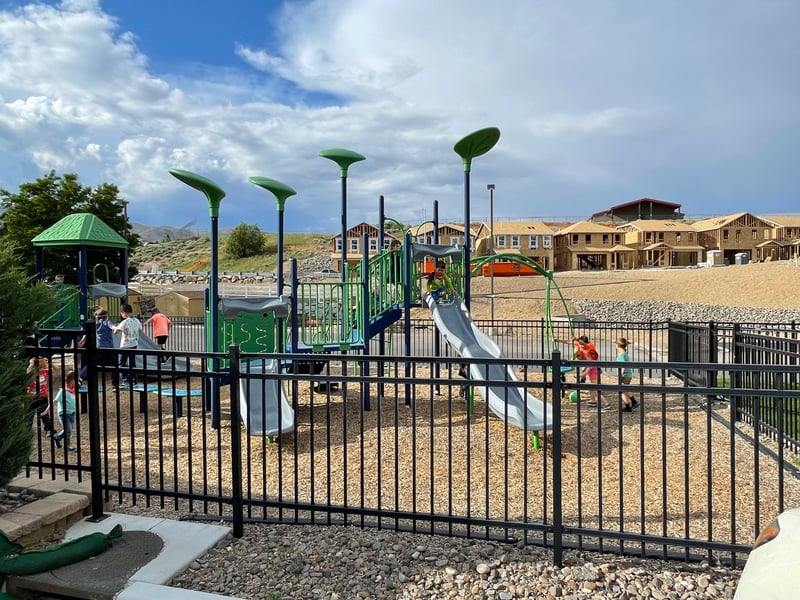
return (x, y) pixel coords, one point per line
(21, 307)
(245, 241)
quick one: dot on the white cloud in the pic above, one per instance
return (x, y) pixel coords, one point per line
(598, 103)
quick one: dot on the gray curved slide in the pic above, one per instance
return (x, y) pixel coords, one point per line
(168, 369)
(506, 402)
(263, 402)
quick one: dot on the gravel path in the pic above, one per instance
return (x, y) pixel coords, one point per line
(283, 562)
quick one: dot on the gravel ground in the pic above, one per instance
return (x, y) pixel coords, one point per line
(294, 562)
(310, 562)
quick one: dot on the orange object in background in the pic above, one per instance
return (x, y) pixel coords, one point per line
(508, 269)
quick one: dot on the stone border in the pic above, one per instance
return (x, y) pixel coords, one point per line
(60, 504)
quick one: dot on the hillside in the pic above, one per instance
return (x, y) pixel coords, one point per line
(193, 253)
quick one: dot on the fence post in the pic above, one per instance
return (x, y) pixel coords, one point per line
(90, 357)
(711, 375)
(236, 444)
(558, 533)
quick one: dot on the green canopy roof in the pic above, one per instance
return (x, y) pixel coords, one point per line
(80, 229)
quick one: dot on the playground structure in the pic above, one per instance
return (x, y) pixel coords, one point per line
(327, 318)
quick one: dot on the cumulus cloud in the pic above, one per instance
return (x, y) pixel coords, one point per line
(598, 103)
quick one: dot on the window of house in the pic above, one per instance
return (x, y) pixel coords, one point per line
(678, 237)
(514, 241)
(547, 241)
(373, 245)
(617, 238)
(533, 242)
(738, 235)
(574, 238)
(690, 235)
(660, 236)
(421, 239)
(725, 234)
(353, 244)
(648, 237)
(606, 239)
(587, 239)
(455, 240)
(338, 244)
(501, 241)
(766, 234)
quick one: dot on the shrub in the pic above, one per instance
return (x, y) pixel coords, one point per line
(245, 241)
(21, 306)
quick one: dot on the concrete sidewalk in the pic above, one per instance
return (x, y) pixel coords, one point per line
(138, 566)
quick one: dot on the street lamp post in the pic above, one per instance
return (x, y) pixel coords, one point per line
(490, 187)
(470, 146)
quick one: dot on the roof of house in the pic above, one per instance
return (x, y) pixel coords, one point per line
(587, 227)
(657, 225)
(783, 220)
(725, 220)
(617, 207)
(521, 228)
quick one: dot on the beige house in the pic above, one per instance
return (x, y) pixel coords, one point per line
(734, 234)
(662, 243)
(450, 234)
(532, 239)
(355, 243)
(587, 245)
(785, 242)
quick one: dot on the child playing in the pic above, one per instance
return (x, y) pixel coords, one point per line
(586, 350)
(625, 375)
(130, 327)
(39, 392)
(161, 325)
(64, 406)
(439, 284)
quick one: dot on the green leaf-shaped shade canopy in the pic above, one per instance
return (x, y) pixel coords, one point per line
(343, 158)
(213, 192)
(475, 144)
(280, 190)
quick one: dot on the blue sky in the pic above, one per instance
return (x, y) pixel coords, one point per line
(598, 102)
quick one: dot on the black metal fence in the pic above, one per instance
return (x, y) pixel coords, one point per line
(389, 441)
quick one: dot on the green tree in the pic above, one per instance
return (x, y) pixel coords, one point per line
(245, 241)
(21, 307)
(40, 204)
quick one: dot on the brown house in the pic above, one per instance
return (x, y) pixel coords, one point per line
(662, 243)
(451, 234)
(734, 234)
(639, 210)
(785, 242)
(587, 245)
(355, 241)
(532, 239)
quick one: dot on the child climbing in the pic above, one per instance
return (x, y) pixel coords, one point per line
(439, 284)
